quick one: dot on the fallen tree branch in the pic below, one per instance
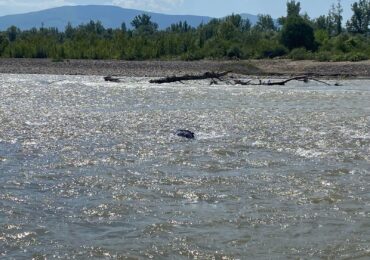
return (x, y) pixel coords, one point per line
(281, 83)
(213, 76)
(320, 81)
(278, 83)
(213, 82)
(207, 75)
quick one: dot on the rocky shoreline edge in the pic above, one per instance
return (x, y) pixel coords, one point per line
(261, 68)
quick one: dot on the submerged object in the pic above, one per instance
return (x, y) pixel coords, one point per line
(185, 133)
(111, 79)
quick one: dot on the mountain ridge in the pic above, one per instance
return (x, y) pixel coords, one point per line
(110, 16)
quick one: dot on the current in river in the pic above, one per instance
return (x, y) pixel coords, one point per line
(91, 169)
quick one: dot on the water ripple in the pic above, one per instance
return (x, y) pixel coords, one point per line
(91, 169)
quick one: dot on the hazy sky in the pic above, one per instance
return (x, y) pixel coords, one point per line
(215, 8)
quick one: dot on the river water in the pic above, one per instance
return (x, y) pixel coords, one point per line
(90, 169)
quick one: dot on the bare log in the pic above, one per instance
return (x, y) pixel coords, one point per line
(281, 83)
(278, 83)
(323, 82)
(218, 76)
(207, 75)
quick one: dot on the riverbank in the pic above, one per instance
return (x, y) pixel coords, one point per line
(168, 68)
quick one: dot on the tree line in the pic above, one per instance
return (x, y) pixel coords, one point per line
(295, 36)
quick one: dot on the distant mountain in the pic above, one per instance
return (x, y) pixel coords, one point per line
(110, 16)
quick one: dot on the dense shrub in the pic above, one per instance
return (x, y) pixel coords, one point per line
(234, 52)
(275, 51)
(323, 56)
(300, 54)
(357, 56)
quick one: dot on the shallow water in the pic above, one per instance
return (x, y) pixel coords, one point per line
(90, 169)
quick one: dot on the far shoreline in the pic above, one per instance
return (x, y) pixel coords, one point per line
(159, 68)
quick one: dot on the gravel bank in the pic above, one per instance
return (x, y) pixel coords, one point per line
(168, 68)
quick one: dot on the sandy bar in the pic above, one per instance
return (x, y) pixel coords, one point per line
(276, 67)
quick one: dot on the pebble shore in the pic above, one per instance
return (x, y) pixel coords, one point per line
(169, 68)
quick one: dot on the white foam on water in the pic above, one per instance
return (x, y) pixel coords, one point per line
(35, 123)
(83, 143)
(307, 153)
(210, 135)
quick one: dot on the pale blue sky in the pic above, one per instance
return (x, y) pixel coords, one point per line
(215, 8)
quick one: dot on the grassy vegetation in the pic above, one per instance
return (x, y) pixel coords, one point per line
(297, 37)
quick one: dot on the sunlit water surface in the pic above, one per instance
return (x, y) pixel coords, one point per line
(90, 169)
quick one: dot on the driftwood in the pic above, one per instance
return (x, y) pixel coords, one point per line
(269, 82)
(207, 75)
(213, 76)
(281, 83)
(278, 83)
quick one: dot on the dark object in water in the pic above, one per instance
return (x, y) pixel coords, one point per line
(207, 75)
(185, 133)
(111, 79)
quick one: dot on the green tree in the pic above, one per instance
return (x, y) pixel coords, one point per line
(4, 42)
(297, 33)
(144, 25)
(13, 32)
(293, 9)
(180, 27)
(123, 27)
(265, 23)
(334, 19)
(69, 31)
(208, 31)
(227, 31)
(94, 28)
(321, 23)
(338, 17)
(359, 22)
(238, 22)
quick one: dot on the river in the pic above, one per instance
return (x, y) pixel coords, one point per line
(90, 169)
